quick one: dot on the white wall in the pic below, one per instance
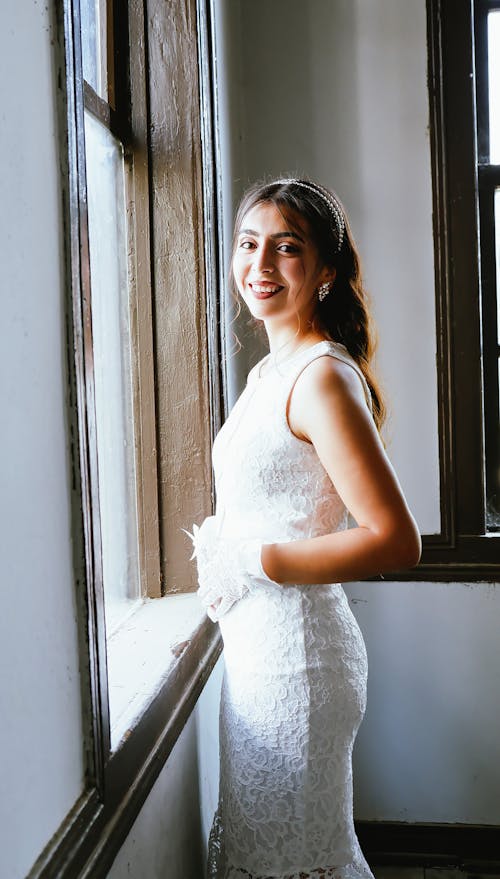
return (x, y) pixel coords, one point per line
(41, 729)
(337, 91)
(428, 749)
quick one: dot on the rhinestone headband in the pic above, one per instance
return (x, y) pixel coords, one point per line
(331, 203)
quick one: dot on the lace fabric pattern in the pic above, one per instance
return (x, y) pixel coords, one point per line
(294, 688)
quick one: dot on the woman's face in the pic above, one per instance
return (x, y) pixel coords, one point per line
(276, 266)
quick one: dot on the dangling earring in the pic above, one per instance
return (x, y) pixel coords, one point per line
(323, 291)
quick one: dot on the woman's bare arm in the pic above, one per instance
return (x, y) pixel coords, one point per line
(328, 409)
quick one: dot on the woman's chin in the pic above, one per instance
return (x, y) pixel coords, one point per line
(262, 308)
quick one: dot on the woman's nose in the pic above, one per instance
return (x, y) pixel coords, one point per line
(264, 259)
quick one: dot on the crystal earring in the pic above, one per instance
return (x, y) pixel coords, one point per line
(323, 291)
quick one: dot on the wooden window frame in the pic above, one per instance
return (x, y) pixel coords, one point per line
(488, 182)
(117, 783)
(463, 550)
(124, 114)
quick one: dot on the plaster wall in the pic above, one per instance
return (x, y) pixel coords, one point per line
(338, 92)
(41, 730)
(428, 749)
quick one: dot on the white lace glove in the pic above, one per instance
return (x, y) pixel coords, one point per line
(227, 569)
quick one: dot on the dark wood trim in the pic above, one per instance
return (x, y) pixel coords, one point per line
(489, 176)
(86, 516)
(96, 105)
(481, 71)
(459, 551)
(114, 111)
(83, 339)
(212, 220)
(463, 263)
(488, 182)
(221, 279)
(441, 261)
(462, 846)
(490, 337)
(120, 95)
(473, 559)
(78, 832)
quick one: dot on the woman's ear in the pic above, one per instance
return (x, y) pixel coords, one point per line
(328, 275)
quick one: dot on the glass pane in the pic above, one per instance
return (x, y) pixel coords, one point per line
(112, 369)
(493, 488)
(497, 256)
(93, 34)
(493, 467)
(494, 84)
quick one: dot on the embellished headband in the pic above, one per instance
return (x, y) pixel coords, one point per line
(329, 200)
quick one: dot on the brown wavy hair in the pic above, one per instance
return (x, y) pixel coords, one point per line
(344, 315)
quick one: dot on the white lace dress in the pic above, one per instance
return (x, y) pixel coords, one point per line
(294, 687)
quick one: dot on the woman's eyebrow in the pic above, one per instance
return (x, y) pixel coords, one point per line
(276, 234)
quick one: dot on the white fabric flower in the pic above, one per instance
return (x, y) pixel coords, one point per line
(227, 569)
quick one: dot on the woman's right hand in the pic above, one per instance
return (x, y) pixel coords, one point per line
(227, 568)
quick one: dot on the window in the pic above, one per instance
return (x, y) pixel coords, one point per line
(146, 384)
(487, 40)
(109, 183)
(466, 298)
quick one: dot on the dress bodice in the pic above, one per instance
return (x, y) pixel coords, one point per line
(271, 484)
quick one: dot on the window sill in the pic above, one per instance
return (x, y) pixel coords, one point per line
(141, 654)
(179, 647)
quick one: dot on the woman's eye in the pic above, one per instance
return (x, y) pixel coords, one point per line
(246, 245)
(288, 248)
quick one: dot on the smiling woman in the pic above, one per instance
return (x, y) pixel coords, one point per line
(273, 262)
(299, 451)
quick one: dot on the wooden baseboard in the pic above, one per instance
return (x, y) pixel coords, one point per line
(464, 846)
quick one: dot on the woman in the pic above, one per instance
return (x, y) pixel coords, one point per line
(299, 451)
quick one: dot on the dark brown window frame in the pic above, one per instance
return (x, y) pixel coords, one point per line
(488, 182)
(462, 551)
(117, 784)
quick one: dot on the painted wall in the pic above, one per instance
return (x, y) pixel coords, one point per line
(337, 91)
(41, 729)
(428, 749)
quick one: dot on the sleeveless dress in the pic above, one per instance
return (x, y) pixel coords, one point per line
(294, 686)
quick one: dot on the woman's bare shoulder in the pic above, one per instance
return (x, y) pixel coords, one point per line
(329, 376)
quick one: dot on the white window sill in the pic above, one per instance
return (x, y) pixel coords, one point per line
(142, 651)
